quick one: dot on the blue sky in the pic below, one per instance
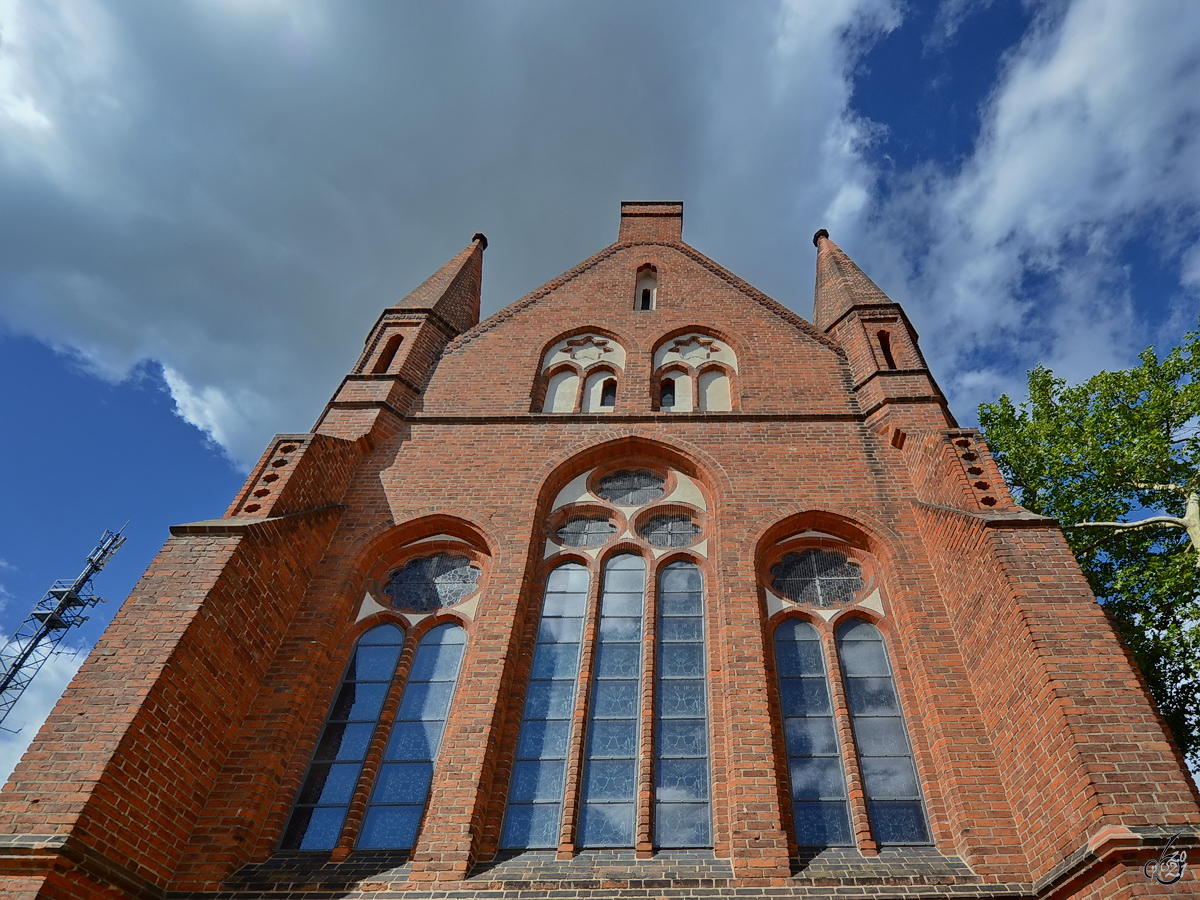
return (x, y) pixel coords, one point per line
(204, 205)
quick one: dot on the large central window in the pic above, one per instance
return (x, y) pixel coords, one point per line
(613, 747)
(614, 738)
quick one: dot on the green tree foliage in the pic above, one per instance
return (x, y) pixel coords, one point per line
(1116, 460)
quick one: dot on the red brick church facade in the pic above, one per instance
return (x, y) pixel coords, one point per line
(643, 587)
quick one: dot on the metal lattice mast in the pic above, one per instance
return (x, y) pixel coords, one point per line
(59, 610)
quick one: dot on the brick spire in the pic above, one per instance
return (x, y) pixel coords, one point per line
(841, 285)
(452, 292)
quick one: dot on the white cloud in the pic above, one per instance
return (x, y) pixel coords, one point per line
(1091, 138)
(232, 191)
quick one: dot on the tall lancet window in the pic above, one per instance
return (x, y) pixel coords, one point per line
(682, 797)
(610, 774)
(535, 795)
(324, 798)
(820, 808)
(889, 776)
(402, 789)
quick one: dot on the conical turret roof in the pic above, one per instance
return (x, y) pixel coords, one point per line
(841, 284)
(452, 292)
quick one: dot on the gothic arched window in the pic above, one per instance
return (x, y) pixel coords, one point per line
(610, 771)
(889, 776)
(694, 372)
(329, 783)
(682, 799)
(594, 361)
(535, 794)
(820, 809)
(402, 788)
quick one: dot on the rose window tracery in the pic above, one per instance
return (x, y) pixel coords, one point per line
(819, 577)
(632, 487)
(432, 582)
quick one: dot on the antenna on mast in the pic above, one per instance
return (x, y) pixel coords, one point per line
(59, 610)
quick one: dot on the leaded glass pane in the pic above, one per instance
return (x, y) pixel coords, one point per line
(554, 661)
(431, 582)
(535, 793)
(536, 780)
(329, 783)
(681, 699)
(820, 577)
(341, 741)
(631, 488)
(682, 781)
(390, 826)
(314, 828)
(682, 799)
(685, 629)
(864, 658)
(613, 699)
(607, 825)
(560, 631)
(586, 531)
(678, 578)
(810, 736)
(682, 824)
(889, 776)
(822, 823)
(670, 531)
(897, 822)
(531, 825)
(619, 660)
(871, 696)
(406, 783)
(402, 788)
(817, 778)
(544, 739)
(610, 779)
(359, 702)
(821, 813)
(681, 660)
(414, 740)
(550, 699)
(374, 663)
(610, 766)
(620, 629)
(808, 696)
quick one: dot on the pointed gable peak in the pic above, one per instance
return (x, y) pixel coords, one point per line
(840, 285)
(452, 292)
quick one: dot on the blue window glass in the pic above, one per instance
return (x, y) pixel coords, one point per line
(889, 777)
(610, 772)
(682, 797)
(535, 794)
(820, 808)
(402, 788)
(324, 798)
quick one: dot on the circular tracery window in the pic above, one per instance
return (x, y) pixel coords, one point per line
(432, 582)
(819, 577)
(631, 487)
(586, 531)
(669, 531)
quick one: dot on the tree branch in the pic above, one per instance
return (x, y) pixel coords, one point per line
(1173, 488)
(1152, 522)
